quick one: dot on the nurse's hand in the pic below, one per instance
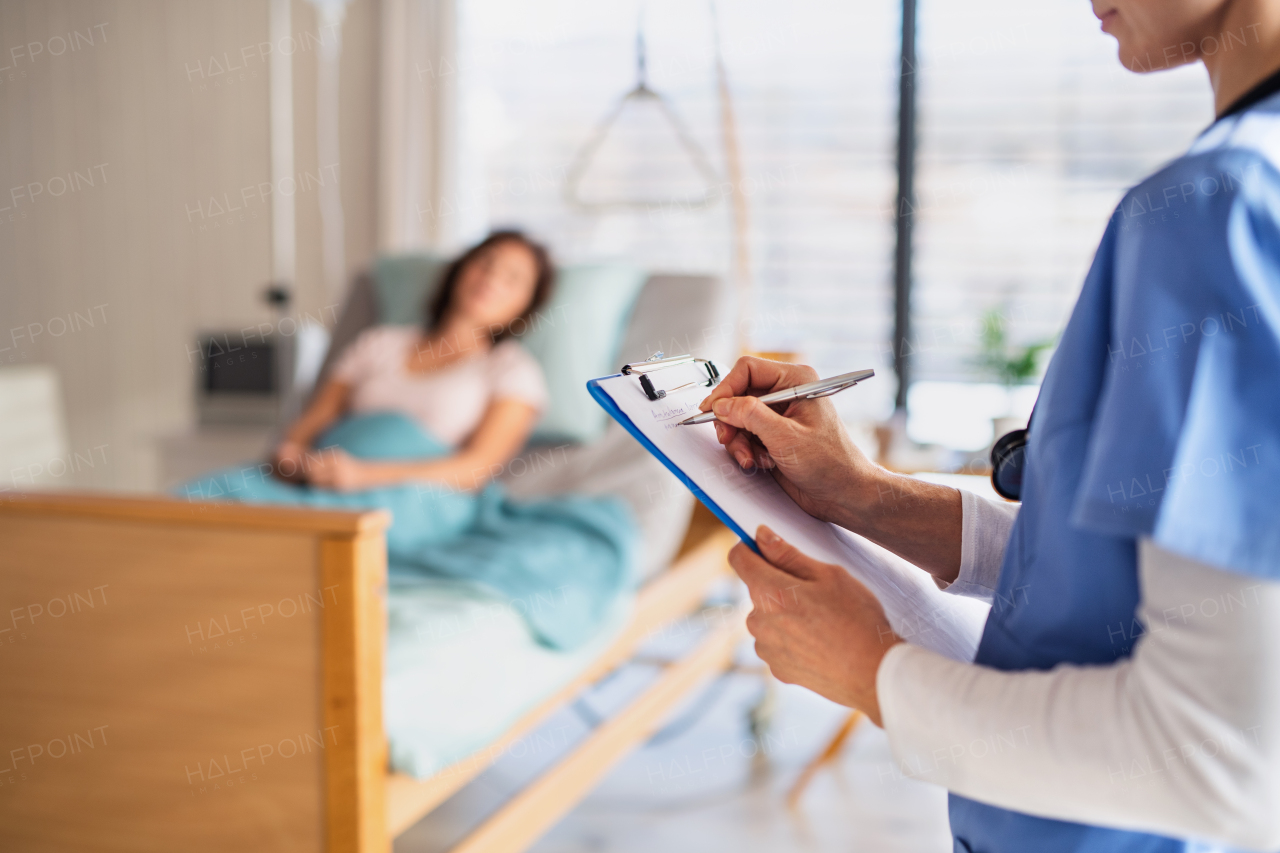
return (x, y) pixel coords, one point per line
(805, 444)
(809, 453)
(815, 624)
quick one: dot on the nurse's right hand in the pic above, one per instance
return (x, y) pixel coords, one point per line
(804, 442)
(809, 453)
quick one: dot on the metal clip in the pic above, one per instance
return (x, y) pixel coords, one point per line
(657, 361)
(698, 371)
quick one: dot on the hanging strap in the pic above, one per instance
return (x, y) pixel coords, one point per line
(582, 160)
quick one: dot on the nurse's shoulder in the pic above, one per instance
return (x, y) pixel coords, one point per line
(1189, 260)
(1235, 160)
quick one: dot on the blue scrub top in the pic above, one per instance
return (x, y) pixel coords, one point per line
(1159, 416)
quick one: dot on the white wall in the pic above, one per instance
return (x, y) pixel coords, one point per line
(107, 276)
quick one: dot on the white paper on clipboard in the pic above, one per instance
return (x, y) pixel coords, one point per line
(918, 611)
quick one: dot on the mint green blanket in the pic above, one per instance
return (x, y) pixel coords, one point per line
(560, 562)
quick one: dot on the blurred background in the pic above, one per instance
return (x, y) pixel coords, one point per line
(187, 186)
(147, 158)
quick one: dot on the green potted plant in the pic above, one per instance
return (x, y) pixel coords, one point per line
(1006, 363)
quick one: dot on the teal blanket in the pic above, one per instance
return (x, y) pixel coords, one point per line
(560, 562)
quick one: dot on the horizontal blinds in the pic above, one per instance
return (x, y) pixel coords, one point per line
(815, 97)
(1030, 131)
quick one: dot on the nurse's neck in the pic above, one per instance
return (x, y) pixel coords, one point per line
(1234, 68)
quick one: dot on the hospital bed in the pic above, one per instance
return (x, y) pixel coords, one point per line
(210, 676)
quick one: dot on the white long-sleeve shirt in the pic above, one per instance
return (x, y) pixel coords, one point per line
(1179, 739)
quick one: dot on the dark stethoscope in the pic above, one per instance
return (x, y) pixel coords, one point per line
(1008, 457)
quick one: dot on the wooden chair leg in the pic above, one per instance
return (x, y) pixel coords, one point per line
(832, 750)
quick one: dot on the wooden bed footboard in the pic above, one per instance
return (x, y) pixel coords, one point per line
(181, 676)
(208, 677)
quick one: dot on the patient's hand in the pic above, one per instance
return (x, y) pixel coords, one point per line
(289, 462)
(338, 470)
(806, 445)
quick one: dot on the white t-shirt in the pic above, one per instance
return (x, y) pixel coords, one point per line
(1179, 739)
(448, 402)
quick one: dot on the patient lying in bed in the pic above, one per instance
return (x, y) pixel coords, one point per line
(462, 377)
(418, 421)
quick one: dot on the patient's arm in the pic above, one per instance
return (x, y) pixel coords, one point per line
(329, 404)
(501, 434)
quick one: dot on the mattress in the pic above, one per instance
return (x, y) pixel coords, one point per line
(462, 667)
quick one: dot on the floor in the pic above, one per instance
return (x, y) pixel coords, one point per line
(706, 784)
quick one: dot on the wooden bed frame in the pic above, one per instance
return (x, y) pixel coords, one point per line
(200, 676)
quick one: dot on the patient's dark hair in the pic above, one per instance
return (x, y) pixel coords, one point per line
(439, 306)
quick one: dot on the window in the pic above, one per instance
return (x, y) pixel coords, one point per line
(1029, 131)
(814, 90)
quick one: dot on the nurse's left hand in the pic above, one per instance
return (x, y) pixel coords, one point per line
(815, 624)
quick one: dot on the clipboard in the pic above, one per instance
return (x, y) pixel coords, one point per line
(918, 611)
(607, 403)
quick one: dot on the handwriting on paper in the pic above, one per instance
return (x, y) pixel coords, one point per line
(674, 410)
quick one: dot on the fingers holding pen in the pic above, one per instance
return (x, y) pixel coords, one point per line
(746, 427)
(753, 430)
(753, 376)
(745, 448)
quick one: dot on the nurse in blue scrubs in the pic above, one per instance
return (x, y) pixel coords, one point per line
(1125, 695)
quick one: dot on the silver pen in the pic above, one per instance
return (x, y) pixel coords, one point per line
(809, 391)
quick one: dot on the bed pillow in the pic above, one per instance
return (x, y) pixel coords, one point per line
(403, 283)
(575, 336)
